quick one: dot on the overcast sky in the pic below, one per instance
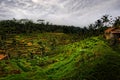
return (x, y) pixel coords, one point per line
(66, 12)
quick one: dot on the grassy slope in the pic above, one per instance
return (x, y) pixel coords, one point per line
(90, 59)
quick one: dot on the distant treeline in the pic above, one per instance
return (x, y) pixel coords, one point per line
(28, 26)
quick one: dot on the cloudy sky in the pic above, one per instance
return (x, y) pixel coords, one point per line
(66, 12)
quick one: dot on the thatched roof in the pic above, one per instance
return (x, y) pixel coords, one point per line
(116, 31)
(109, 30)
(112, 30)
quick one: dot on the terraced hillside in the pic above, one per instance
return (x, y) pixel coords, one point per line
(89, 59)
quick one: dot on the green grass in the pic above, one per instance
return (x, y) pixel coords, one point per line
(89, 59)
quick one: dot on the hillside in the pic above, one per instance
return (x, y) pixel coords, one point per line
(89, 59)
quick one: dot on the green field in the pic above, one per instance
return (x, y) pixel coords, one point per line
(59, 56)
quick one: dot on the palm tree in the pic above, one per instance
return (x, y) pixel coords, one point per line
(117, 22)
(105, 19)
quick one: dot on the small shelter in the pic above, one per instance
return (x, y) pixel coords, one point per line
(112, 33)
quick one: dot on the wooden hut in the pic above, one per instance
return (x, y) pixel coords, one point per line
(112, 33)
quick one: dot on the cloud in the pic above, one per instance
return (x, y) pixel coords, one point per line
(69, 12)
